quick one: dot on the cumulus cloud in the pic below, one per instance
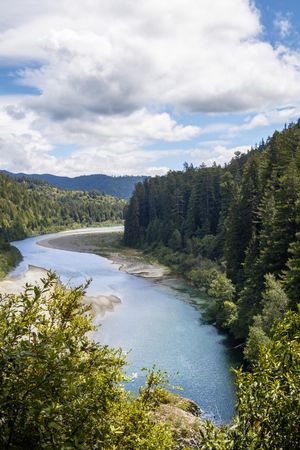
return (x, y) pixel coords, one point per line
(219, 154)
(139, 127)
(273, 117)
(116, 57)
(113, 145)
(21, 147)
(112, 75)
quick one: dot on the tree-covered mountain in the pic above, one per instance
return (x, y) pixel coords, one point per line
(118, 186)
(30, 207)
(233, 230)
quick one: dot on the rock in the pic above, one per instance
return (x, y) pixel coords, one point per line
(183, 417)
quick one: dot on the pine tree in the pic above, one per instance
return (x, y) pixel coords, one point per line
(292, 272)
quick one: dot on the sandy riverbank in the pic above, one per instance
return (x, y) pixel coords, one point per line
(101, 303)
(15, 284)
(129, 261)
(100, 242)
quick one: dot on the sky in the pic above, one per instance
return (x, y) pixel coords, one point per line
(140, 87)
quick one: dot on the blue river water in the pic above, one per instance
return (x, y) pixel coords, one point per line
(156, 323)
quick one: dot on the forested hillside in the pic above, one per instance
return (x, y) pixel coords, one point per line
(118, 186)
(233, 230)
(31, 207)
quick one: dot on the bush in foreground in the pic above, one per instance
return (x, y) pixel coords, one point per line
(61, 390)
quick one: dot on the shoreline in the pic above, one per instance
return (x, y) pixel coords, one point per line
(85, 241)
(101, 303)
(14, 284)
(129, 261)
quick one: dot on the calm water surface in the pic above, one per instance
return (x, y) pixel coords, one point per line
(156, 323)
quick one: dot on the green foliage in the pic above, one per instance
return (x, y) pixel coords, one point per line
(274, 306)
(177, 261)
(188, 201)
(9, 257)
(200, 277)
(61, 390)
(274, 302)
(175, 241)
(241, 218)
(256, 338)
(208, 246)
(221, 288)
(292, 272)
(268, 402)
(223, 310)
(227, 314)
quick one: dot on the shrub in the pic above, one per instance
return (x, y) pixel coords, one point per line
(61, 390)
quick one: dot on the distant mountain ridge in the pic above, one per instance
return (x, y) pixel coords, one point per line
(117, 186)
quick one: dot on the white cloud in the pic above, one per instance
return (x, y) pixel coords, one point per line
(138, 128)
(273, 117)
(109, 73)
(151, 171)
(21, 147)
(112, 145)
(220, 154)
(115, 57)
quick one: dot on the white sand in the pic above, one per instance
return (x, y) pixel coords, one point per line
(136, 266)
(15, 284)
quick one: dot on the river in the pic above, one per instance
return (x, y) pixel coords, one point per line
(156, 323)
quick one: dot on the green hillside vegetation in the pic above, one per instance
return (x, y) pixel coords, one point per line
(32, 207)
(234, 231)
(9, 258)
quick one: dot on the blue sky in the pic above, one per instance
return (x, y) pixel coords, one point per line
(123, 87)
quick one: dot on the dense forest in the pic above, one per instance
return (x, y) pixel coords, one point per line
(234, 231)
(31, 207)
(117, 186)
